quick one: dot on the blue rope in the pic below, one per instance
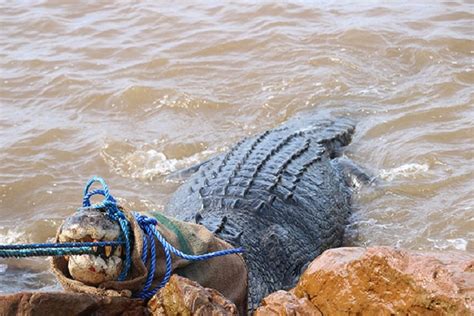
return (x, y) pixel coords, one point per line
(22, 253)
(147, 225)
(145, 293)
(115, 214)
(64, 245)
(55, 250)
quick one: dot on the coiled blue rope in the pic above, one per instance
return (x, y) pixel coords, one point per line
(147, 225)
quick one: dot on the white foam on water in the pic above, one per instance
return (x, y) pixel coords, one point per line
(409, 170)
(148, 164)
(11, 236)
(443, 244)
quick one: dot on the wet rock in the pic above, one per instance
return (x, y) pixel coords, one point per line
(286, 303)
(182, 296)
(60, 303)
(386, 281)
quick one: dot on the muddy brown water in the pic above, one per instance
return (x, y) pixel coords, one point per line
(133, 91)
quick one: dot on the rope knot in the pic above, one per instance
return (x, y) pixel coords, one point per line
(145, 220)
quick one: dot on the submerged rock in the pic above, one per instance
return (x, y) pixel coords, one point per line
(182, 296)
(381, 281)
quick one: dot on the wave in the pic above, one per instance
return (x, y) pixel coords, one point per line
(148, 164)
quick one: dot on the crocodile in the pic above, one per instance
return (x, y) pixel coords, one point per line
(283, 195)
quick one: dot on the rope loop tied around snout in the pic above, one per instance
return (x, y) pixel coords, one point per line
(114, 213)
(150, 232)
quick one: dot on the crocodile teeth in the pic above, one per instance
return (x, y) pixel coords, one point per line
(118, 251)
(95, 248)
(107, 251)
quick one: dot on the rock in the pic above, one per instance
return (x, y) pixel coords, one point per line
(286, 303)
(60, 303)
(386, 281)
(342, 281)
(182, 296)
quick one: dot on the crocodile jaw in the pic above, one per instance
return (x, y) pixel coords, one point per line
(92, 225)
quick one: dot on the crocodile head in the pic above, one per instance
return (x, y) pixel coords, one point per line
(92, 225)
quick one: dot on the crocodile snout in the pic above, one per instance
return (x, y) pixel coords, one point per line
(93, 225)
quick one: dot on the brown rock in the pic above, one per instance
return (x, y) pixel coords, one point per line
(180, 296)
(69, 304)
(286, 303)
(385, 281)
(184, 297)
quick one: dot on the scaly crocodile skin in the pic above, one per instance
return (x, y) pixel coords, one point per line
(281, 195)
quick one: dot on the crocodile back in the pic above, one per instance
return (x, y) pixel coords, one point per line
(277, 195)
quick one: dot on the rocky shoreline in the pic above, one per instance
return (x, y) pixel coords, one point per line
(342, 281)
(380, 281)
